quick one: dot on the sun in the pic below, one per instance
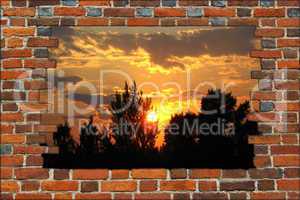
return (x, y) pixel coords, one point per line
(152, 117)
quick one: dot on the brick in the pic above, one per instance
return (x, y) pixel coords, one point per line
(92, 22)
(238, 196)
(89, 186)
(169, 3)
(291, 64)
(169, 12)
(243, 12)
(265, 173)
(9, 106)
(287, 85)
(269, 12)
(14, 42)
(90, 174)
(264, 139)
(11, 160)
(192, 22)
(269, 32)
(144, 12)
(146, 186)
(9, 186)
(242, 22)
(193, 2)
(288, 185)
(266, 106)
(45, 21)
(242, 3)
(267, 195)
(268, 22)
(167, 22)
(285, 161)
(8, 32)
(149, 173)
(145, 3)
(293, 12)
(237, 185)
(34, 160)
(205, 173)
(178, 173)
(59, 185)
(12, 117)
(45, 11)
(215, 196)
(285, 22)
(16, 53)
(194, 12)
(266, 54)
(30, 186)
(6, 173)
(291, 95)
(120, 3)
(13, 96)
(207, 185)
(218, 3)
(33, 196)
(31, 173)
(285, 149)
(41, 53)
(268, 64)
(123, 196)
(42, 42)
(60, 174)
(268, 43)
(39, 63)
(94, 12)
(5, 149)
(119, 12)
(96, 196)
(288, 43)
(233, 173)
(118, 186)
(267, 3)
(17, 22)
(217, 21)
(19, 3)
(12, 63)
(291, 172)
(34, 3)
(152, 196)
(142, 22)
(266, 185)
(292, 32)
(179, 196)
(219, 12)
(262, 161)
(20, 12)
(12, 139)
(6, 129)
(120, 174)
(288, 3)
(69, 11)
(23, 149)
(178, 185)
(94, 3)
(69, 2)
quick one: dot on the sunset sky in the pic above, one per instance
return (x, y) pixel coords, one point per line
(174, 66)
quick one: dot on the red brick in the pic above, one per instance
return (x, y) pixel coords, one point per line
(63, 196)
(178, 185)
(60, 174)
(264, 139)
(12, 117)
(237, 185)
(31, 173)
(149, 173)
(8, 32)
(234, 173)
(266, 54)
(9, 186)
(268, 22)
(292, 172)
(242, 3)
(262, 161)
(92, 22)
(39, 63)
(118, 186)
(45, 21)
(34, 160)
(34, 3)
(211, 195)
(288, 43)
(267, 195)
(219, 12)
(33, 196)
(269, 32)
(242, 22)
(269, 12)
(205, 173)
(6, 129)
(266, 185)
(6, 173)
(169, 12)
(288, 184)
(90, 174)
(69, 11)
(264, 117)
(287, 85)
(142, 22)
(30, 185)
(286, 22)
(207, 186)
(24, 149)
(288, 3)
(117, 22)
(264, 95)
(14, 43)
(94, 2)
(152, 196)
(178, 173)
(16, 53)
(118, 12)
(287, 106)
(287, 160)
(42, 42)
(96, 196)
(192, 22)
(17, 22)
(146, 186)
(193, 2)
(265, 173)
(12, 139)
(123, 196)
(59, 185)
(120, 174)
(22, 12)
(291, 64)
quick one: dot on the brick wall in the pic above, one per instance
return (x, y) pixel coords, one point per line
(25, 123)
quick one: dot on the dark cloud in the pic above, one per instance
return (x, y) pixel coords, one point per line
(162, 45)
(88, 98)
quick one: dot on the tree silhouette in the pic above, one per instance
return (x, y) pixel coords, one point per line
(63, 139)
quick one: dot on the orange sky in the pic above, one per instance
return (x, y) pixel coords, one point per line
(173, 66)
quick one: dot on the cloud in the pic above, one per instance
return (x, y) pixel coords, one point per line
(161, 45)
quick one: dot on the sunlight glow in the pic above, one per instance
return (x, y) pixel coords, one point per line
(152, 117)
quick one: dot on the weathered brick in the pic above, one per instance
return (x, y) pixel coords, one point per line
(205, 173)
(118, 186)
(234, 173)
(266, 185)
(92, 22)
(186, 185)
(16, 53)
(217, 21)
(5, 149)
(269, 32)
(42, 42)
(144, 12)
(169, 12)
(59, 185)
(219, 12)
(120, 3)
(145, 3)
(265, 173)
(60, 174)
(267, 3)
(89, 186)
(288, 185)
(118, 12)
(90, 174)
(194, 12)
(269, 12)
(31, 173)
(20, 12)
(142, 22)
(293, 12)
(149, 173)
(147, 186)
(69, 11)
(237, 185)
(266, 106)
(41, 53)
(30, 186)
(69, 2)
(243, 12)
(45, 11)
(178, 173)
(218, 3)
(286, 160)
(193, 2)
(94, 12)
(169, 3)
(207, 185)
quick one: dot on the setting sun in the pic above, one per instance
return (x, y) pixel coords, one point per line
(152, 116)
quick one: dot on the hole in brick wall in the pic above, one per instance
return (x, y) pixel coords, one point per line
(152, 97)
